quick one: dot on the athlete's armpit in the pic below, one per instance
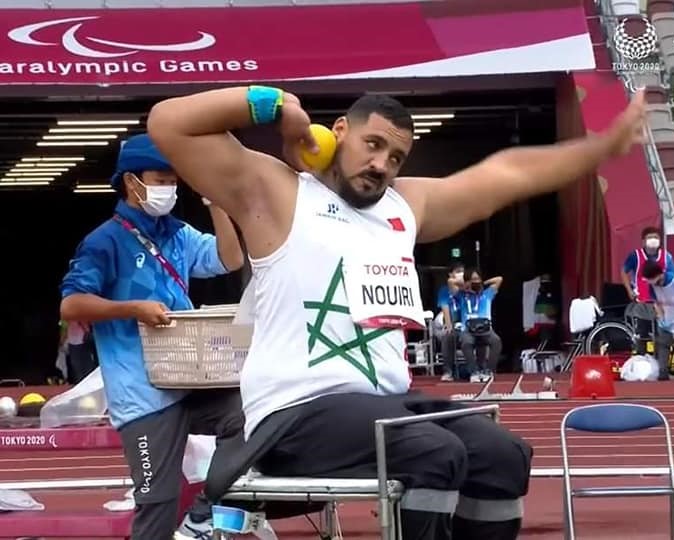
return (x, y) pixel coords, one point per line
(257, 190)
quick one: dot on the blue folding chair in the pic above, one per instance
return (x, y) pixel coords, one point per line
(614, 418)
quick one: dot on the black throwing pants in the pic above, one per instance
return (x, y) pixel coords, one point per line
(333, 437)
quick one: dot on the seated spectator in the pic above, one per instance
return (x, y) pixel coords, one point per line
(477, 334)
(450, 323)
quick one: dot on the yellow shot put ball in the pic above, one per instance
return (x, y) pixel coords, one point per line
(327, 144)
(32, 398)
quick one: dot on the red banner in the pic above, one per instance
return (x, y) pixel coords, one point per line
(115, 46)
(629, 195)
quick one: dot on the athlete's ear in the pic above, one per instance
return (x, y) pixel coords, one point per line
(340, 128)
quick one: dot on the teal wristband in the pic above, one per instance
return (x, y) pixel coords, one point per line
(265, 104)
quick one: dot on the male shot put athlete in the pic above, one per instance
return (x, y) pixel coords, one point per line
(325, 362)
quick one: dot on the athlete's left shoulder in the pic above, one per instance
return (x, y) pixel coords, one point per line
(407, 188)
(397, 210)
(412, 191)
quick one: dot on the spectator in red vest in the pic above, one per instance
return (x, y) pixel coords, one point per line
(637, 286)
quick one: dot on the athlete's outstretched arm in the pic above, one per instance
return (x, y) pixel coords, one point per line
(444, 206)
(256, 190)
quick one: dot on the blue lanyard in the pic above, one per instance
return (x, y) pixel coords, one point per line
(469, 303)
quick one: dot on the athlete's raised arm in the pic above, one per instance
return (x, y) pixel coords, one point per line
(255, 189)
(444, 206)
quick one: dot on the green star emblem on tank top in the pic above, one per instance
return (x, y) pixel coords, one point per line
(351, 350)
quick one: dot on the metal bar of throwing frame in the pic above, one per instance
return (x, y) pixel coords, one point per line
(380, 445)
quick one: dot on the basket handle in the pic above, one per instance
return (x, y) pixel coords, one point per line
(171, 324)
(199, 314)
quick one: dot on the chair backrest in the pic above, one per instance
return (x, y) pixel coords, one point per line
(613, 418)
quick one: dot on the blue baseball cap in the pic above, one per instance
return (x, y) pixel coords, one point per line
(138, 153)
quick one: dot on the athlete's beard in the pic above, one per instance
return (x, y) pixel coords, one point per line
(346, 191)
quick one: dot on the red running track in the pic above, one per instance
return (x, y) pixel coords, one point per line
(538, 422)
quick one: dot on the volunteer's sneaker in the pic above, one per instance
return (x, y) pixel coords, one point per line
(487, 374)
(476, 377)
(191, 529)
(447, 377)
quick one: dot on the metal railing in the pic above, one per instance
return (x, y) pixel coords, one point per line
(660, 184)
(609, 21)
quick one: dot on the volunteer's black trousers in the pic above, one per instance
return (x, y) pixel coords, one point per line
(154, 447)
(333, 436)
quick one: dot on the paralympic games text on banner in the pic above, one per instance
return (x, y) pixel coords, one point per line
(272, 43)
(165, 65)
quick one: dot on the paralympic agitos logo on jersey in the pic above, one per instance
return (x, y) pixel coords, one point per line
(109, 57)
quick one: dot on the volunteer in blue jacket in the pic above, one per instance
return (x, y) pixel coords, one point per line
(478, 333)
(135, 267)
(450, 331)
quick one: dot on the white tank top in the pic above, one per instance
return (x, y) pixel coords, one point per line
(305, 343)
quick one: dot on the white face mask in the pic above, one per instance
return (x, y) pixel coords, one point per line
(160, 200)
(652, 243)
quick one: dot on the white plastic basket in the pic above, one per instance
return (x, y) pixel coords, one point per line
(199, 349)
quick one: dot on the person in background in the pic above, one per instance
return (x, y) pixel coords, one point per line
(60, 372)
(662, 282)
(546, 310)
(637, 287)
(133, 268)
(80, 350)
(449, 329)
(476, 298)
